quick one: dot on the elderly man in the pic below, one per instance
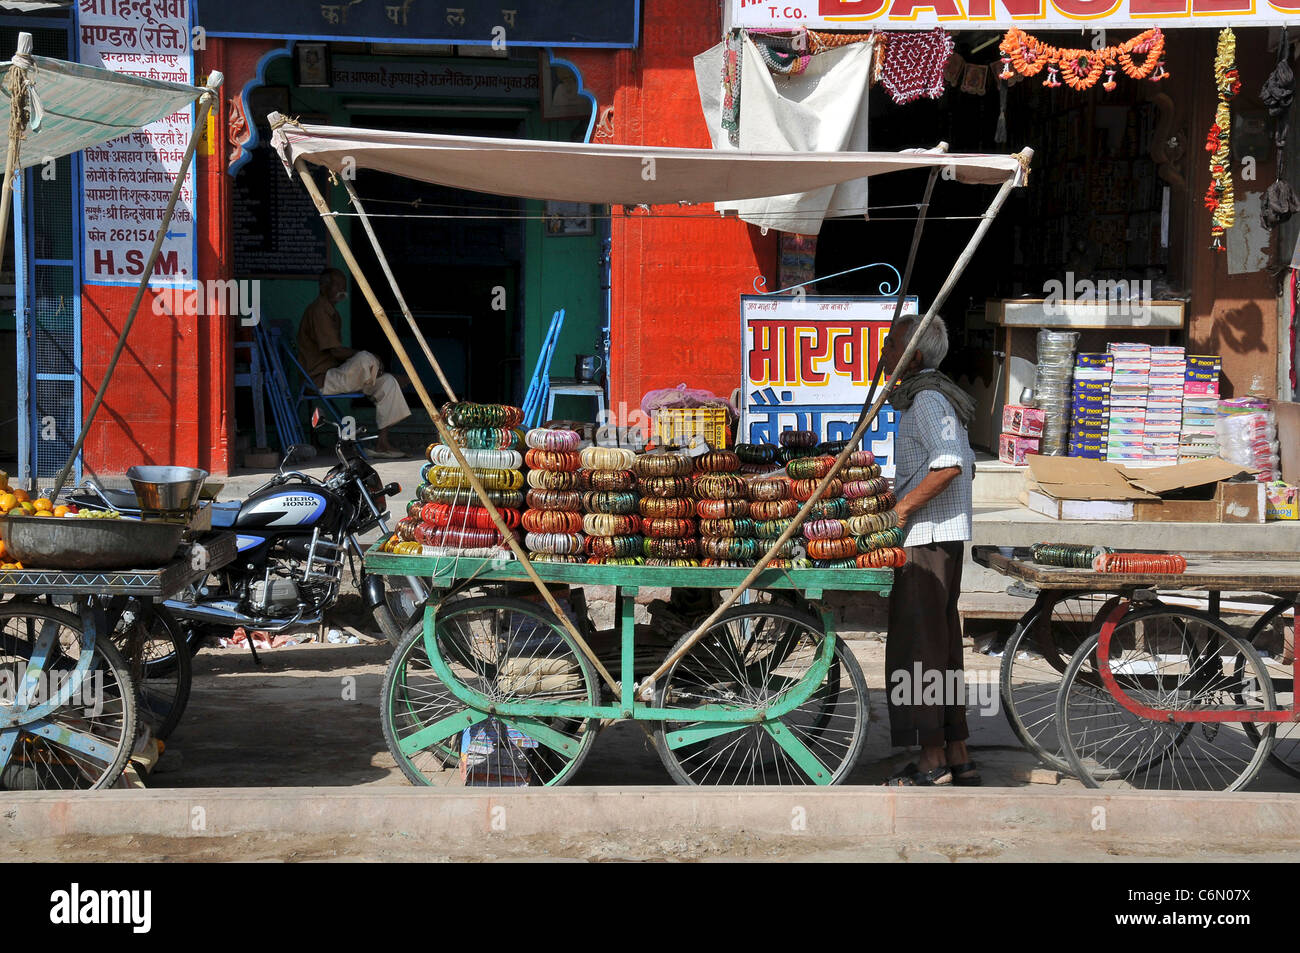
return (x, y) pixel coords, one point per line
(934, 469)
(336, 369)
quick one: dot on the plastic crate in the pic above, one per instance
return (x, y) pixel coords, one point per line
(677, 426)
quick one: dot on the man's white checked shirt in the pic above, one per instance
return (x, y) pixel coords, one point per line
(930, 437)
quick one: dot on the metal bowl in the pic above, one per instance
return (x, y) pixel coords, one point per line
(74, 543)
(167, 488)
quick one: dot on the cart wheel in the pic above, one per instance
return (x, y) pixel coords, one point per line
(1034, 661)
(510, 651)
(747, 660)
(82, 744)
(159, 658)
(1286, 741)
(1171, 659)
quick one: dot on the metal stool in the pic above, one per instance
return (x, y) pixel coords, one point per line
(573, 388)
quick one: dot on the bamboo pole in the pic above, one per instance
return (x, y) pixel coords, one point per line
(17, 124)
(200, 127)
(392, 283)
(646, 687)
(331, 225)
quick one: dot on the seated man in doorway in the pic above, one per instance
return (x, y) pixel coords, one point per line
(336, 369)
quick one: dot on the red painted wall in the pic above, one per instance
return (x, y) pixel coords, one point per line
(676, 283)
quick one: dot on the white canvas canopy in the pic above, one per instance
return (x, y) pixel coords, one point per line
(608, 174)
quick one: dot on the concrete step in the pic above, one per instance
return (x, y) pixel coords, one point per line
(996, 482)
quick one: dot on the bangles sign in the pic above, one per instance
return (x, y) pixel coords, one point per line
(1004, 14)
(809, 362)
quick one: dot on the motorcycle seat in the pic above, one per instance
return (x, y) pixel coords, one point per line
(118, 499)
(224, 513)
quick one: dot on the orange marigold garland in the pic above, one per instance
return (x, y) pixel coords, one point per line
(1081, 69)
(1219, 197)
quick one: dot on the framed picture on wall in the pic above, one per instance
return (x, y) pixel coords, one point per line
(313, 61)
(559, 90)
(568, 218)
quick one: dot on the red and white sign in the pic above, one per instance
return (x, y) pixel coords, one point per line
(128, 181)
(1003, 14)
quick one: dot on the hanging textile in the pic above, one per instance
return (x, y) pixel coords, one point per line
(823, 109)
(731, 86)
(914, 65)
(783, 55)
(1280, 201)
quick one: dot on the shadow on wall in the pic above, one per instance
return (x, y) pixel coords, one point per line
(1235, 331)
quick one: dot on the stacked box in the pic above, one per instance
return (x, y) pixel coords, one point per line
(1127, 419)
(1090, 406)
(1164, 416)
(1197, 439)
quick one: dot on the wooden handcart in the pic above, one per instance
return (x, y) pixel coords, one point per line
(770, 695)
(77, 684)
(1109, 678)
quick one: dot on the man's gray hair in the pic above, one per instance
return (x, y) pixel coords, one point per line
(933, 345)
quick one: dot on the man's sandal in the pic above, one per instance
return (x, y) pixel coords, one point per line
(966, 775)
(912, 776)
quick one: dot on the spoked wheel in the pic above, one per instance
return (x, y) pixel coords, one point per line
(76, 704)
(1034, 662)
(1286, 741)
(156, 651)
(1165, 658)
(508, 650)
(751, 659)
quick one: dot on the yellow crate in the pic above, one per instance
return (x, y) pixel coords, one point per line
(678, 426)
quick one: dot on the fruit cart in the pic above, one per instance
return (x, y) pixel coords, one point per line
(76, 684)
(1108, 677)
(770, 695)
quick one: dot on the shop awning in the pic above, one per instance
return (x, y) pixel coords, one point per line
(76, 106)
(607, 174)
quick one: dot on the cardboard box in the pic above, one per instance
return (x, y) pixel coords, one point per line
(1023, 421)
(1193, 492)
(1013, 448)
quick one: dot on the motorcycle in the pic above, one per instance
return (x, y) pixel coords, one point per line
(293, 535)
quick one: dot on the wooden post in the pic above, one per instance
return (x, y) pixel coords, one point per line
(322, 207)
(647, 685)
(392, 283)
(200, 128)
(17, 106)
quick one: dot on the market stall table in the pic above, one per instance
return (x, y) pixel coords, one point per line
(1134, 691)
(769, 696)
(69, 710)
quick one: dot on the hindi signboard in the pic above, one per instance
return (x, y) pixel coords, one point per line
(595, 23)
(128, 181)
(1003, 14)
(809, 362)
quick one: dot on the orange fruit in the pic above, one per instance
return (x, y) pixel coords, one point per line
(61, 510)
(43, 503)
(8, 502)
(43, 513)
(2, 549)
(28, 507)
(21, 495)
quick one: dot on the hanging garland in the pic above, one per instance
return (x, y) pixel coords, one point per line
(1218, 197)
(1081, 69)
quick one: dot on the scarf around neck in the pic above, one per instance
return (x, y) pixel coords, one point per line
(906, 390)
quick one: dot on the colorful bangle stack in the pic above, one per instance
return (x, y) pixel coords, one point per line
(871, 523)
(491, 478)
(660, 561)
(612, 481)
(434, 494)
(553, 520)
(884, 539)
(773, 509)
(767, 490)
(802, 490)
(797, 444)
(555, 558)
(872, 504)
(665, 487)
(499, 416)
(726, 531)
(890, 558)
(832, 508)
(663, 464)
(607, 458)
(617, 560)
(615, 546)
(609, 503)
(809, 468)
(488, 438)
(655, 507)
(857, 474)
(615, 503)
(757, 458)
(443, 456)
(860, 488)
(686, 547)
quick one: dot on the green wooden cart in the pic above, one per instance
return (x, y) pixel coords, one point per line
(494, 690)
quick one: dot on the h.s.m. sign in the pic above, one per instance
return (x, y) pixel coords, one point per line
(809, 362)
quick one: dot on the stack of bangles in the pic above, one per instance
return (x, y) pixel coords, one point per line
(426, 493)
(797, 444)
(877, 559)
(809, 468)
(490, 477)
(860, 488)
(654, 507)
(664, 547)
(619, 503)
(616, 546)
(617, 560)
(609, 502)
(465, 517)
(726, 529)
(466, 415)
(767, 490)
(443, 456)
(1140, 563)
(802, 490)
(757, 457)
(553, 521)
(884, 539)
(487, 438)
(610, 481)
(871, 504)
(662, 464)
(663, 561)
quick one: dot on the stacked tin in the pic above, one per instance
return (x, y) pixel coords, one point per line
(1053, 385)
